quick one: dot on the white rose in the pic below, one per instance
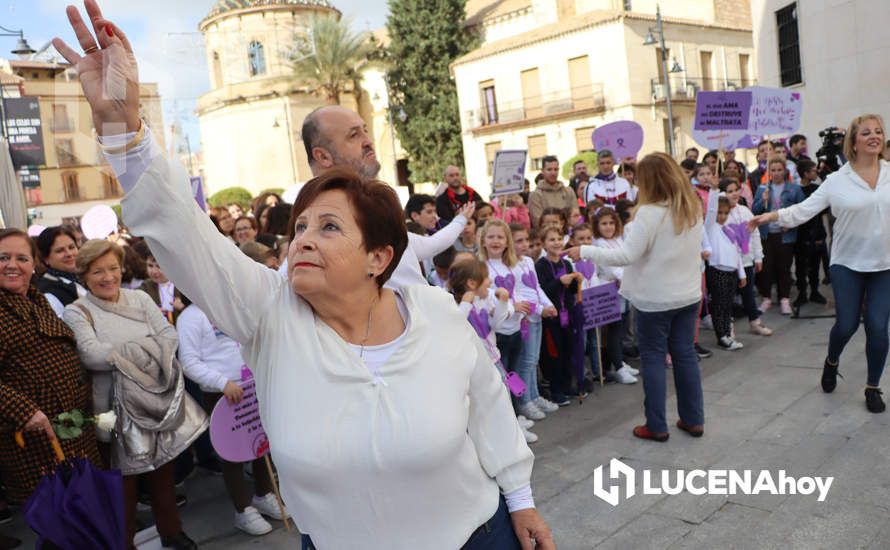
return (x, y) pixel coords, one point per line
(106, 421)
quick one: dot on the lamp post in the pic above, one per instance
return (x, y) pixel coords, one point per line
(22, 49)
(650, 41)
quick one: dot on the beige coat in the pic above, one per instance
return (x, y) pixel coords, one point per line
(546, 196)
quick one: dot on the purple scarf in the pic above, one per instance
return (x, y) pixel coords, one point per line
(740, 236)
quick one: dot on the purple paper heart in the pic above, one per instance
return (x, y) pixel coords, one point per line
(586, 268)
(479, 320)
(530, 279)
(507, 282)
(738, 233)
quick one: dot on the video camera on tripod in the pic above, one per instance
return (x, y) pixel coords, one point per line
(830, 157)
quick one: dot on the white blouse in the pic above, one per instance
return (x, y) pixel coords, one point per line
(413, 463)
(861, 239)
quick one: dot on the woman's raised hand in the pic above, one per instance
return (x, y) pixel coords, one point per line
(107, 69)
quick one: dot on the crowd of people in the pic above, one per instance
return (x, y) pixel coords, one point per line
(407, 350)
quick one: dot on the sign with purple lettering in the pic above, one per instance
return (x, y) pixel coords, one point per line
(774, 111)
(722, 110)
(601, 305)
(623, 138)
(236, 431)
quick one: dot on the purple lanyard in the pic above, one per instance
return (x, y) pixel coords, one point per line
(563, 311)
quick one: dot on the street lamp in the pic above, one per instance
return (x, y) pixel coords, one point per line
(651, 40)
(22, 48)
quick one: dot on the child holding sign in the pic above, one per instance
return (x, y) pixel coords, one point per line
(560, 283)
(582, 235)
(213, 360)
(609, 232)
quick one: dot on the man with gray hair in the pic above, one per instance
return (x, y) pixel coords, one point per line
(336, 136)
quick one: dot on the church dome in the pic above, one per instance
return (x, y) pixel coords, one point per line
(223, 6)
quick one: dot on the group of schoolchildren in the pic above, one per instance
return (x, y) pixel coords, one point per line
(522, 296)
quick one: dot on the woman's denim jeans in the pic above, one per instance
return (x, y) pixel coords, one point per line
(660, 333)
(852, 291)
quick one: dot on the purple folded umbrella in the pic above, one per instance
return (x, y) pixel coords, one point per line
(78, 506)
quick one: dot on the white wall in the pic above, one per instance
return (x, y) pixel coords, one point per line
(844, 51)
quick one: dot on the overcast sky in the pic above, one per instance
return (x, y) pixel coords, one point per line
(165, 37)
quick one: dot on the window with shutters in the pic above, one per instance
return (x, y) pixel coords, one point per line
(110, 186)
(531, 93)
(789, 45)
(537, 150)
(490, 150)
(489, 102)
(584, 139)
(707, 71)
(745, 69)
(71, 186)
(579, 80)
(65, 152)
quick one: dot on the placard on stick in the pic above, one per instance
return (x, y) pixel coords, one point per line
(236, 430)
(509, 172)
(600, 305)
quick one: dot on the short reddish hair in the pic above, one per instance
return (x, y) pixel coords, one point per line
(376, 206)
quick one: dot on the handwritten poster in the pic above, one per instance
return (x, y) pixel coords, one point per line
(600, 305)
(236, 430)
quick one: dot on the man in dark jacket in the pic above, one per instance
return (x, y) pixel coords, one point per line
(455, 196)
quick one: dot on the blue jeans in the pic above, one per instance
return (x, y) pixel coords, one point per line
(495, 534)
(660, 333)
(852, 291)
(510, 347)
(527, 369)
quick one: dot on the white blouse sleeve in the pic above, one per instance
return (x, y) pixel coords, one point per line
(801, 212)
(499, 442)
(232, 290)
(427, 247)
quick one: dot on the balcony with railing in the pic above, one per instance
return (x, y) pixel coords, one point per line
(686, 89)
(496, 115)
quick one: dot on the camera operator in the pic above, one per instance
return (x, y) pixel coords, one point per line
(830, 156)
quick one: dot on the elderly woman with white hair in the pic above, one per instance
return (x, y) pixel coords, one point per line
(390, 426)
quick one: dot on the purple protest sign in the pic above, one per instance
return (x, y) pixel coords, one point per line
(624, 138)
(236, 431)
(600, 305)
(722, 110)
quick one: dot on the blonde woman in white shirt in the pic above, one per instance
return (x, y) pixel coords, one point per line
(661, 252)
(859, 197)
(389, 426)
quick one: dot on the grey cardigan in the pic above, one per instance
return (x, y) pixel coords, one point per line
(96, 338)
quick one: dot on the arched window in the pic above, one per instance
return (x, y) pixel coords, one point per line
(256, 58)
(217, 70)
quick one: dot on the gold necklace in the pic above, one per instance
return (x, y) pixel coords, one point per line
(367, 333)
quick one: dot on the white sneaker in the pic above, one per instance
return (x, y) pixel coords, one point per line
(251, 522)
(524, 422)
(531, 411)
(630, 369)
(706, 323)
(546, 405)
(765, 305)
(529, 437)
(785, 306)
(729, 344)
(624, 376)
(268, 506)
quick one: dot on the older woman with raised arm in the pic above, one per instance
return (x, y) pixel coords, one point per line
(376, 446)
(859, 197)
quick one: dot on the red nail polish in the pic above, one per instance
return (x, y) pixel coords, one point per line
(108, 31)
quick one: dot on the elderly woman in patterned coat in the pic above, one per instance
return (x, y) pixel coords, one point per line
(40, 373)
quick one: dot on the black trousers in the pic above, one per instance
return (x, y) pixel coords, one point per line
(722, 285)
(806, 265)
(777, 257)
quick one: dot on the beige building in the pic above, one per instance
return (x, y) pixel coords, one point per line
(833, 53)
(252, 116)
(549, 72)
(75, 176)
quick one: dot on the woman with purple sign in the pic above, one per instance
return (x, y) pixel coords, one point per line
(389, 426)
